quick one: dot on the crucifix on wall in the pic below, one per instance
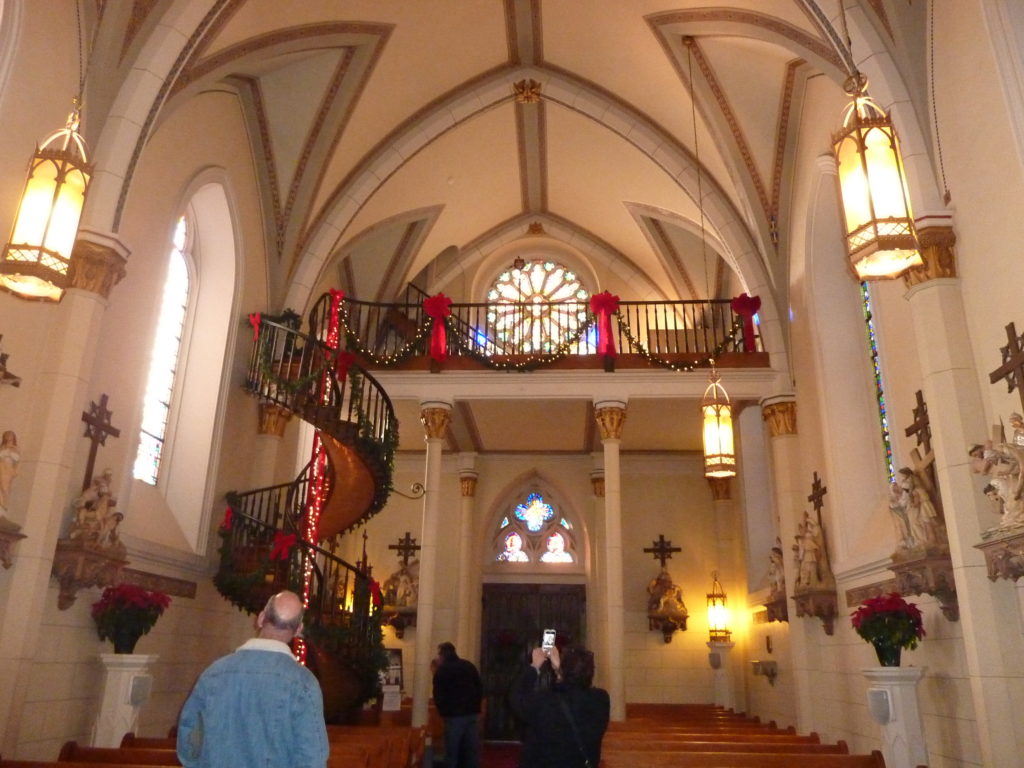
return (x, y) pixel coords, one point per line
(662, 549)
(1012, 368)
(97, 427)
(924, 463)
(406, 548)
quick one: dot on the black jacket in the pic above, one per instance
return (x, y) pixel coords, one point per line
(457, 688)
(548, 741)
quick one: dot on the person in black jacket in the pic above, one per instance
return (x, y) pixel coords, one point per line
(566, 720)
(457, 695)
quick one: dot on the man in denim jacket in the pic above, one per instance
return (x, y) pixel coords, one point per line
(257, 706)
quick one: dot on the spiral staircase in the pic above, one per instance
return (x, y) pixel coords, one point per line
(285, 536)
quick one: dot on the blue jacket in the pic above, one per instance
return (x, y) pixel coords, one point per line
(255, 707)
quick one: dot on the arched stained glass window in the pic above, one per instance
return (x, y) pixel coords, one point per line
(535, 533)
(163, 362)
(536, 308)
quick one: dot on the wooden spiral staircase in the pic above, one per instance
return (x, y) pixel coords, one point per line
(266, 539)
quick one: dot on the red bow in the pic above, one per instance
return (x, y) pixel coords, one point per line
(332, 329)
(342, 362)
(438, 308)
(283, 543)
(603, 305)
(746, 307)
(226, 522)
(254, 321)
(375, 593)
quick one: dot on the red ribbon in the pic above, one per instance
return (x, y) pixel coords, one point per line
(746, 307)
(603, 305)
(283, 543)
(332, 330)
(225, 524)
(375, 596)
(254, 321)
(342, 362)
(438, 307)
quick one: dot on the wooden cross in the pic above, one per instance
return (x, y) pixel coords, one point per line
(921, 426)
(406, 548)
(818, 492)
(661, 549)
(97, 427)
(924, 463)
(1012, 368)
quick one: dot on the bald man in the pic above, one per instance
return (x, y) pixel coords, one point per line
(258, 705)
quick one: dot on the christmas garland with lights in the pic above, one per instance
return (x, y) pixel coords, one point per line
(528, 362)
(729, 339)
(354, 344)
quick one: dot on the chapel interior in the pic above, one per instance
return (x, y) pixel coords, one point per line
(472, 318)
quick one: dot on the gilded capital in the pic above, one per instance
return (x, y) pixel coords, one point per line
(435, 421)
(610, 419)
(526, 91)
(467, 484)
(780, 417)
(721, 488)
(937, 254)
(95, 267)
(597, 485)
(273, 419)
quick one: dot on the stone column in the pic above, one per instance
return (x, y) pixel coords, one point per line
(949, 378)
(435, 416)
(127, 687)
(97, 264)
(467, 639)
(730, 576)
(892, 702)
(779, 414)
(723, 674)
(599, 582)
(273, 420)
(610, 416)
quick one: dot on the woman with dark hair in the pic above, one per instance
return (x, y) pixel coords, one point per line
(566, 720)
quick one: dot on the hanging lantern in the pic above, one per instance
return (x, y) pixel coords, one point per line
(35, 261)
(718, 614)
(880, 236)
(719, 453)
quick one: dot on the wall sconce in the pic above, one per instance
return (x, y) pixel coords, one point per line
(769, 669)
(718, 614)
(34, 264)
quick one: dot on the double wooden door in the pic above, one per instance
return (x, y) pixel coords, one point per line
(514, 616)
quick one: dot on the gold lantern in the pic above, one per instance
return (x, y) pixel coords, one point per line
(719, 451)
(879, 226)
(35, 261)
(718, 614)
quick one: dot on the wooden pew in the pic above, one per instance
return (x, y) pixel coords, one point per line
(72, 751)
(402, 745)
(776, 737)
(150, 742)
(639, 759)
(839, 748)
(69, 764)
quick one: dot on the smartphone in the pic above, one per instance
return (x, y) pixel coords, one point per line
(549, 640)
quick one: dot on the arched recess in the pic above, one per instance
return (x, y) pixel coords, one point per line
(570, 92)
(847, 406)
(192, 442)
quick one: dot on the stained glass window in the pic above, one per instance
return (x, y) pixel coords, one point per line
(163, 362)
(536, 308)
(876, 369)
(535, 533)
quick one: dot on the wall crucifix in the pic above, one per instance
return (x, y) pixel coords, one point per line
(662, 549)
(406, 548)
(1012, 368)
(97, 427)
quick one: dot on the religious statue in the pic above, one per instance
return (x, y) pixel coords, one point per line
(1001, 463)
(809, 550)
(401, 588)
(666, 610)
(919, 525)
(95, 521)
(776, 572)
(9, 460)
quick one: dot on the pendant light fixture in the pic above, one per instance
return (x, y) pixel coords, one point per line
(718, 614)
(716, 410)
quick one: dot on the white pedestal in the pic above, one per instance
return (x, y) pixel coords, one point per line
(892, 702)
(126, 689)
(722, 671)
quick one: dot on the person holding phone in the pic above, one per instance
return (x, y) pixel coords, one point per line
(564, 722)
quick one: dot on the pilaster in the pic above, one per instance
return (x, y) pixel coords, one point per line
(468, 580)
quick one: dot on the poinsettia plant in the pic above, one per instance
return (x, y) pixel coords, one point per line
(889, 619)
(127, 611)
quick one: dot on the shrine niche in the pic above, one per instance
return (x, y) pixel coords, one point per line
(92, 554)
(399, 592)
(815, 590)
(921, 562)
(999, 461)
(666, 611)
(775, 605)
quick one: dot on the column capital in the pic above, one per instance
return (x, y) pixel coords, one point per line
(273, 419)
(467, 483)
(936, 241)
(779, 413)
(610, 416)
(721, 488)
(435, 415)
(597, 483)
(97, 262)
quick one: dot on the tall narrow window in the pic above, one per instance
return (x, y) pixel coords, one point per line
(164, 362)
(876, 370)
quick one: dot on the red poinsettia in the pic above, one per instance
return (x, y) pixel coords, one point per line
(889, 619)
(127, 610)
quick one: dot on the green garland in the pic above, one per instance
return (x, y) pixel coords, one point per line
(685, 367)
(355, 344)
(531, 362)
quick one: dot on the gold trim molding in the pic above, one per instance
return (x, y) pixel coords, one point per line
(435, 422)
(95, 268)
(467, 485)
(610, 419)
(273, 419)
(780, 418)
(937, 254)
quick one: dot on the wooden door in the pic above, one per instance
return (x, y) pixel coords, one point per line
(514, 616)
